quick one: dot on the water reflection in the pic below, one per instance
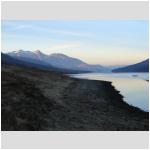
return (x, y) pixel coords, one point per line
(133, 86)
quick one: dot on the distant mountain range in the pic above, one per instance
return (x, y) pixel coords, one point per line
(9, 60)
(63, 63)
(56, 60)
(139, 67)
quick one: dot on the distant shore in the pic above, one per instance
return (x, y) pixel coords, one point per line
(40, 100)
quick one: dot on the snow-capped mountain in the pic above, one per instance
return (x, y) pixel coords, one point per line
(9, 60)
(28, 54)
(57, 60)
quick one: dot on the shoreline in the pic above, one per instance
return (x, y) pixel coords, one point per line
(128, 105)
(40, 100)
(117, 92)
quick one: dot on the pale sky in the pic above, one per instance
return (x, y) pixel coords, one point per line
(105, 42)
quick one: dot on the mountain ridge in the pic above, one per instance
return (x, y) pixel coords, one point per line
(59, 60)
(142, 66)
(9, 60)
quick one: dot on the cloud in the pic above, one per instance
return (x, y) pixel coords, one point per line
(61, 32)
(64, 32)
(20, 27)
(65, 46)
(15, 26)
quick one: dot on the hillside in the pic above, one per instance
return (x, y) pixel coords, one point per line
(57, 60)
(139, 67)
(31, 63)
(41, 100)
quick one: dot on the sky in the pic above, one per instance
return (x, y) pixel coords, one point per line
(105, 42)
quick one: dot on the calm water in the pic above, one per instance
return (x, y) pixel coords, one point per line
(133, 86)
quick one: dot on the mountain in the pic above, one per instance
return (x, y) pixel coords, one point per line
(63, 61)
(6, 59)
(9, 60)
(139, 67)
(57, 60)
(27, 54)
(112, 67)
